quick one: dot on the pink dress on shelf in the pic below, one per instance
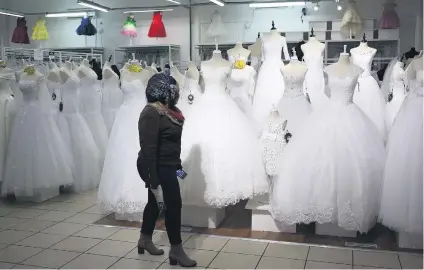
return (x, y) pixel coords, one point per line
(389, 19)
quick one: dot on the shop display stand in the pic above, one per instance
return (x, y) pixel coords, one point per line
(411, 241)
(262, 220)
(202, 216)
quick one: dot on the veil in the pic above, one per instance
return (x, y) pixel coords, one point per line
(387, 79)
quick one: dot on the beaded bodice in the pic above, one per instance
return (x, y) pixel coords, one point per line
(363, 59)
(30, 89)
(132, 89)
(214, 78)
(342, 89)
(293, 85)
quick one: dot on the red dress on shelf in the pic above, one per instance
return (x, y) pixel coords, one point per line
(157, 29)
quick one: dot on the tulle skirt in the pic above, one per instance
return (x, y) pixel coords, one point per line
(220, 153)
(98, 129)
(369, 97)
(36, 158)
(86, 156)
(121, 189)
(402, 196)
(331, 171)
(393, 107)
(295, 110)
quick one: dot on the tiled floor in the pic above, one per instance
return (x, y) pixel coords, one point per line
(60, 233)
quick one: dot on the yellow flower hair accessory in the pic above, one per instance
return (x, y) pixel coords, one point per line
(239, 64)
(3, 64)
(134, 68)
(29, 70)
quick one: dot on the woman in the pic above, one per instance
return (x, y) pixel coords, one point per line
(160, 128)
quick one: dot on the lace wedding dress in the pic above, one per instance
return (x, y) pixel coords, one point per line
(332, 169)
(128, 195)
(398, 93)
(111, 100)
(270, 82)
(78, 139)
(368, 95)
(36, 156)
(402, 195)
(314, 80)
(220, 151)
(294, 106)
(351, 25)
(190, 93)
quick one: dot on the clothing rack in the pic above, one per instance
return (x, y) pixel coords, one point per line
(158, 54)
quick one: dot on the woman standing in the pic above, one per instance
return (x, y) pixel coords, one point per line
(160, 128)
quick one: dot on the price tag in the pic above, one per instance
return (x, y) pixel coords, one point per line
(38, 55)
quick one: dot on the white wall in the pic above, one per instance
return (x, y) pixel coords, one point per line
(242, 22)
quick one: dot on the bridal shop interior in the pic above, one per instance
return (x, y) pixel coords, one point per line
(303, 119)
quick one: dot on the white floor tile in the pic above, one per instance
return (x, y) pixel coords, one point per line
(47, 205)
(235, 261)
(83, 218)
(11, 237)
(8, 222)
(112, 248)
(332, 255)
(96, 209)
(2, 246)
(17, 254)
(34, 225)
(287, 251)
(126, 235)
(90, 261)
(202, 257)
(206, 242)
(23, 266)
(41, 240)
(161, 238)
(376, 259)
(64, 228)
(166, 265)
(280, 263)
(51, 258)
(411, 261)
(55, 216)
(66, 197)
(5, 210)
(27, 213)
(98, 232)
(245, 247)
(135, 264)
(4, 265)
(147, 257)
(75, 207)
(76, 244)
(325, 265)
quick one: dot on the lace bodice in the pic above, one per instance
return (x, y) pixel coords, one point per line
(363, 60)
(132, 89)
(30, 89)
(342, 89)
(271, 48)
(70, 95)
(314, 61)
(214, 78)
(293, 85)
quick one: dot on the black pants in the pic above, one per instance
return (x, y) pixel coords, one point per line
(172, 200)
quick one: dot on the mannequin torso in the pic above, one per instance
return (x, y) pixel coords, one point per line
(313, 47)
(216, 61)
(66, 71)
(107, 70)
(256, 48)
(362, 56)
(238, 51)
(192, 71)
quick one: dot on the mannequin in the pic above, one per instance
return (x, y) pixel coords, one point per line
(176, 74)
(238, 51)
(363, 48)
(294, 67)
(66, 71)
(107, 70)
(256, 48)
(112, 96)
(143, 75)
(84, 70)
(192, 71)
(344, 68)
(275, 35)
(217, 60)
(54, 73)
(313, 45)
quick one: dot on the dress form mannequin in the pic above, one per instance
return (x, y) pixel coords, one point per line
(274, 34)
(217, 60)
(256, 53)
(344, 68)
(66, 71)
(84, 70)
(107, 70)
(54, 73)
(111, 95)
(192, 71)
(238, 51)
(176, 74)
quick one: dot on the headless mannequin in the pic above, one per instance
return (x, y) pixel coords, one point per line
(313, 46)
(176, 74)
(107, 70)
(66, 71)
(343, 68)
(192, 71)
(238, 51)
(31, 77)
(144, 75)
(256, 48)
(217, 60)
(275, 35)
(154, 67)
(6, 74)
(84, 70)
(295, 68)
(54, 73)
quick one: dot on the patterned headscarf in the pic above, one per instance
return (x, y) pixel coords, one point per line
(161, 87)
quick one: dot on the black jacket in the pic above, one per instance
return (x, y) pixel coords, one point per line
(160, 142)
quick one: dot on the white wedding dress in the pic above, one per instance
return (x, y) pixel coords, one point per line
(314, 84)
(54, 97)
(332, 169)
(368, 95)
(216, 27)
(270, 82)
(294, 106)
(91, 110)
(220, 151)
(398, 91)
(402, 195)
(189, 87)
(36, 156)
(78, 139)
(111, 100)
(121, 189)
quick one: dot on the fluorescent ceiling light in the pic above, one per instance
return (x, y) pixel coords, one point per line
(11, 13)
(93, 5)
(219, 3)
(276, 4)
(174, 1)
(148, 10)
(69, 14)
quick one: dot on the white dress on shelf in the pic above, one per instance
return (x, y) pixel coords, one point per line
(217, 27)
(121, 189)
(332, 169)
(294, 106)
(351, 25)
(314, 84)
(111, 100)
(273, 143)
(78, 139)
(241, 85)
(270, 82)
(398, 91)
(220, 151)
(402, 195)
(36, 157)
(368, 95)
(189, 87)
(91, 110)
